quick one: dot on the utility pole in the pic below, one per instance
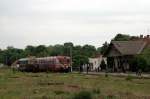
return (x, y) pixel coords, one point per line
(6, 61)
(71, 58)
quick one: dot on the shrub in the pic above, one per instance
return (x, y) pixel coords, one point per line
(58, 92)
(106, 74)
(83, 95)
(142, 61)
(110, 97)
(96, 91)
(129, 78)
(45, 97)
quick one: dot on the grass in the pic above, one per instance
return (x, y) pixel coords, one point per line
(129, 78)
(83, 95)
(20, 85)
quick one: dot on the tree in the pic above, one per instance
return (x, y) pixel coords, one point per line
(57, 50)
(104, 48)
(99, 50)
(146, 55)
(89, 50)
(121, 37)
(41, 51)
(50, 49)
(79, 60)
(68, 47)
(103, 65)
(2, 60)
(77, 50)
(68, 44)
(10, 55)
(142, 61)
(30, 50)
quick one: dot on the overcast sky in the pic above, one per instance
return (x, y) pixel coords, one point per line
(49, 22)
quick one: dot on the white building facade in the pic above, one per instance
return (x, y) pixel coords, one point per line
(96, 62)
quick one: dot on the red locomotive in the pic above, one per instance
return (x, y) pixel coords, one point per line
(55, 64)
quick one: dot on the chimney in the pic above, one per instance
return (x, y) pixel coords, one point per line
(141, 36)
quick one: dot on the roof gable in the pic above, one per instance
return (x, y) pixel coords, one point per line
(119, 48)
(129, 47)
(113, 51)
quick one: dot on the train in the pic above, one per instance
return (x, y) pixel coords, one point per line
(42, 64)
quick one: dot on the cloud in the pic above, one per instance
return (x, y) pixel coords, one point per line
(34, 22)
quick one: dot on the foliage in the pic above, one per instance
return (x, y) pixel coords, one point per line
(10, 55)
(56, 50)
(68, 48)
(129, 78)
(79, 60)
(58, 92)
(41, 51)
(142, 61)
(96, 91)
(22, 85)
(89, 50)
(104, 48)
(121, 37)
(146, 55)
(83, 95)
(103, 65)
(68, 44)
(80, 53)
(30, 50)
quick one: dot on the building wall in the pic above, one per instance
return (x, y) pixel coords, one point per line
(96, 62)
(113, 52)
(120, 63)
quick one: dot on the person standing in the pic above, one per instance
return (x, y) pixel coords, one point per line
(87, 69)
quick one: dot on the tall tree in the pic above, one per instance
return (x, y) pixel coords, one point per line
(68, 44)
(89, 50)
(121, 37)
(41, 51)
(68, 47)
(79, 60)
(11, 54)
(57, 50)
(104, 48)
(30, 50)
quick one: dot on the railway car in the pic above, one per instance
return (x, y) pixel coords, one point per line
(54, 64)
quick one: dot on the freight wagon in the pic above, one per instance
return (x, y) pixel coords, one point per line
(54, 64)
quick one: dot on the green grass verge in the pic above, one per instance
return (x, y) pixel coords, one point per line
(20, 85)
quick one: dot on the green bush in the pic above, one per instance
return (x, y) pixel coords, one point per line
(96, 91)
(142, 61)
(106, 74)
(83, 95)
(45, 97)
(58, 92)
(129, 78)
(110, 97)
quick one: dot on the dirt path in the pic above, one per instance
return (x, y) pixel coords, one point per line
(146, 76)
